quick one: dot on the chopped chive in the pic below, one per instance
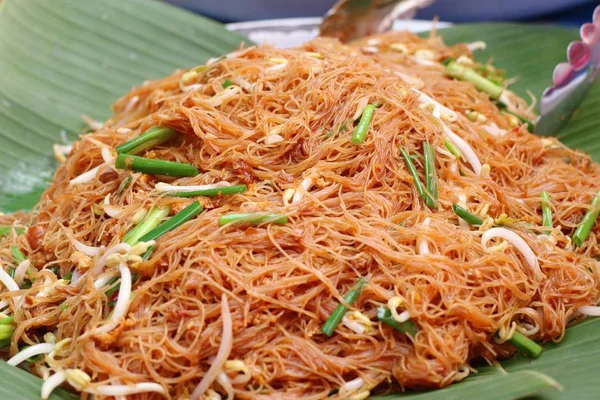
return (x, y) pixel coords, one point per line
(174, 222)
(425, 196)
(502, 106)
(586, 224)
(226, 83)
(385, 315)
(154, 167)
(253, 218)
(151, 221)
(17, 254)
(360, 133)
(148, 253)
(453, 149)
(6, 230)
(152, 137)
(6, 331)
(546, 210)
(525, 345)
(68, 276)
(430, 174)
(465, 215)
(111, 282)
(7, 320)
(11, 272)
(523, 120)
(63, 306)
(463, 73)
(124, 185)
(234, 189)
(350, 298)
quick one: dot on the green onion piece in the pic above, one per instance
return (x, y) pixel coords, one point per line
(350, 298)
(124, 185)
(546, 210)
(54, 270)
(148, 253)
(586, 224)
(525, 345)
(151, 221)
(17, 254)
(111, 282)
(154, 167)
(176, 221)
(523, 120)
(6, 331)
(11, 272)
(453, 149)
(253, 218)
(234, 189)
(152, 137)
(417, 181)
(385, 315)
(6, 230)
(226, 84)
(464, 214)
(63, 306)
(68, 276)
(360, 133)
(502, 106)
(430, 174)
(463, 73)
(7, 320)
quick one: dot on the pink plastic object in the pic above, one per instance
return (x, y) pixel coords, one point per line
(571, 80)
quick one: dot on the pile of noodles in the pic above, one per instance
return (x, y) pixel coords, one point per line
(286, 123)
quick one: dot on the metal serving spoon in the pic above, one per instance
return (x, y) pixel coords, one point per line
(352, 19)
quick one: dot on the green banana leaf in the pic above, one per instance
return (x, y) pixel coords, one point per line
(65, 58)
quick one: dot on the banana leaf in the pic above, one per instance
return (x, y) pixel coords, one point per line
(62, 59)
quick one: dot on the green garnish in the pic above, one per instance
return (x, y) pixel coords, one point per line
(360, 133)
(154, 167)
(525, 345)
(586, 224)
(523, 120)
(424, 194)
(152, 137)
(154, 217)
(172, 223)
(6, 230)
(17, 254)
(350, 298)
(464, 214)
(6, 331)
(463, 73)
(546, 210)
(430, 173)
(226, 83)
(124, 185)
(385, 315)
(253, 218)
(453, 149)
(234, 189)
